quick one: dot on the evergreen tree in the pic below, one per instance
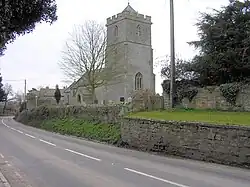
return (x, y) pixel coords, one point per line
(224, 45)
(2, 92)
(57, 94)
(20, 17)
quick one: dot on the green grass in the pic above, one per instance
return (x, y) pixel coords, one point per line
(78, 127)
(214, 117)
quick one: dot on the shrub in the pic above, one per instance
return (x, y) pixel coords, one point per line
(230, 92)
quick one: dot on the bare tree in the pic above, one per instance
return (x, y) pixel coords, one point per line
(86, 57)
(181, 68)
(8, 90)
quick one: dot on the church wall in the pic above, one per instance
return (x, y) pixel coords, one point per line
(140, 61)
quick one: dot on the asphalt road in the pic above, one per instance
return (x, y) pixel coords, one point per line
(52, 160)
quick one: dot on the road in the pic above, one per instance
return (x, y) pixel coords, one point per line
(51, 160)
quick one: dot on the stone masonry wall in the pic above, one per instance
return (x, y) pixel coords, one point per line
(211, 98)
(214, 143)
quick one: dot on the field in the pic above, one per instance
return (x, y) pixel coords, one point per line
(214, 117)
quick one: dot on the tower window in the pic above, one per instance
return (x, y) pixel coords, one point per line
(138, 30)
(79, 99)
(116, 31)
(138, 81)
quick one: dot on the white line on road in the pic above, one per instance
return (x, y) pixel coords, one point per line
(19, 131)
(90, 157)
(12, 128)
(156, 178)
(1, 155)
(30, 136)
(5, 124)
(47, 142)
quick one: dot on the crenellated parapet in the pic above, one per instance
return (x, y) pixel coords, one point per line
(129, 15)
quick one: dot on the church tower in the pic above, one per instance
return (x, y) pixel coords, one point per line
(129, 34)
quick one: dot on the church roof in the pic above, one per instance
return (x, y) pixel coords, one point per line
(129, 9)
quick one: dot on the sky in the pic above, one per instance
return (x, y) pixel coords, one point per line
(35, 56)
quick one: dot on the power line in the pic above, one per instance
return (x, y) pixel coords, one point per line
(17, 80)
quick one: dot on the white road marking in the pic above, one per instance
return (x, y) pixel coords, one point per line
(12, 128)
(1, 155)
(19, 131)
(90, 157)
(47, 142)
(30, 136)
(4, 123)
(156, 178)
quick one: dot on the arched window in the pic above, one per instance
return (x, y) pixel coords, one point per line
(116, 31)
(79, 99)
(138, 30)
(138, 81)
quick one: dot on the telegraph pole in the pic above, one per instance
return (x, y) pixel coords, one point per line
(25, 88)
(172, 53)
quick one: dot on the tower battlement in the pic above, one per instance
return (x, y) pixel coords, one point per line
(129, 15)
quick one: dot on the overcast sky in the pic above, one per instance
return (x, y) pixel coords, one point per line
(35, 56)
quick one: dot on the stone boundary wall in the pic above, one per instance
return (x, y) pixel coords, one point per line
(105, 114)
(221, 144)
(210, 97)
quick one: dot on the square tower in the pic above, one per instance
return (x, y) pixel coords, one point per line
(129, 34)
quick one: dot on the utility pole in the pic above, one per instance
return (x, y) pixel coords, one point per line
(172, 53)
(25, 88)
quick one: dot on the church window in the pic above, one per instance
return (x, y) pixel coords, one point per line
(79, 99)
(74, 92)
(138, 30)
(67, 99)
(138, 81)
(116, 31)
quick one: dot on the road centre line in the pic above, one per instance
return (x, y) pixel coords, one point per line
(81, 154)
(156, 178)
(19, 131)
(49, 143)
(4, 123)
(30, 136)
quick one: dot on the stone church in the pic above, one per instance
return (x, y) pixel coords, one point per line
(130, 32)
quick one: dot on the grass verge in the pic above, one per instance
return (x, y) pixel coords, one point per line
(80, 128)
(207, 116)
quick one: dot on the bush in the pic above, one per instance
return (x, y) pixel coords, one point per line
(94, 123)
(230, 91)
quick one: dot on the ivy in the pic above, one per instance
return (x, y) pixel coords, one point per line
(230, 91)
